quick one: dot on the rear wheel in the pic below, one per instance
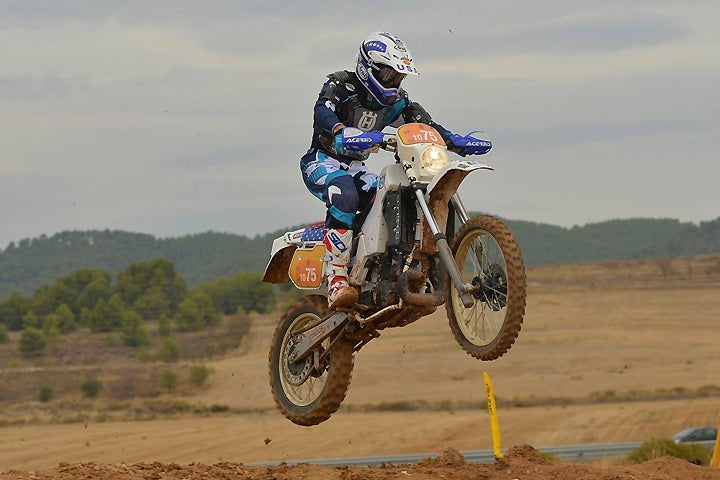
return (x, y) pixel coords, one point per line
(489, 258)
(308, 391)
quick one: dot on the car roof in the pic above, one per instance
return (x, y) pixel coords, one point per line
(687, 431)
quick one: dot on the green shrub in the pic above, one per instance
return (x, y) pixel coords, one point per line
(107, 316)
(152, 304)
(65, 319)
(32, 342)
(196, 312)
(4, 338)
(144, 354)
(549, 457)
(31, 320)
(664, 447)
(46, 393)
(189, 318)
(169, 380)
(50, 327)
(134, 333)
(163, 327)
(170, 351)
(91, 387)
(199, 374)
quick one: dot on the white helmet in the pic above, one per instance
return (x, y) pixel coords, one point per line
(382, 64)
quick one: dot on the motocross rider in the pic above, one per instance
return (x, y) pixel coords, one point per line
(349, 115)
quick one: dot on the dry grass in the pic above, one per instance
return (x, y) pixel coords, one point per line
(124, 371)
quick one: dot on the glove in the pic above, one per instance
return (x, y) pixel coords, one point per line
(468, 145)
(355, 140)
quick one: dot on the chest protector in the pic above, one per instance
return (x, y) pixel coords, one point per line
(352, 113)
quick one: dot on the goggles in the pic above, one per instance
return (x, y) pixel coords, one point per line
(388, 77)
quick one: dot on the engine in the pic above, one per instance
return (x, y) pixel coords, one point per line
(400, 214)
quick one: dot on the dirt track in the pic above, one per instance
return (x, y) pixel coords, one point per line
(522, 462)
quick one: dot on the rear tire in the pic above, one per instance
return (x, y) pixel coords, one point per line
(305, 395)
(487, 255)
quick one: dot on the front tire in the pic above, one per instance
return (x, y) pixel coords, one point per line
(489, 257)
(305, 394)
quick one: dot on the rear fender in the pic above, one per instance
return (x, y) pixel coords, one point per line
(281, 254)
(307, 268)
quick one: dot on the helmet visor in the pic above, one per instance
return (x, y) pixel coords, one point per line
(388, 77)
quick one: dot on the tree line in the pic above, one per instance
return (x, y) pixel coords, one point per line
(201, 258)
(152, 290)
(31, 263)
(629, 239)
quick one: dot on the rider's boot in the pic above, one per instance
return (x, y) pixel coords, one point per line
(337, 244)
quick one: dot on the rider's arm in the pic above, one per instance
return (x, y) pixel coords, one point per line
(415, 112)
(462, 145)
(328, 102)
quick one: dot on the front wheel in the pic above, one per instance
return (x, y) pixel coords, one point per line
(489, 258)
(308, 391)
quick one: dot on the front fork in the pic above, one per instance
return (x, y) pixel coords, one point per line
(460, 208)
(464, 289)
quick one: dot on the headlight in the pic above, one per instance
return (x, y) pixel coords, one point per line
(433, 159)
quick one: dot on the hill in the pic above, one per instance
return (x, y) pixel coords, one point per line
(202, 257)
(635, 238)
(199, 258)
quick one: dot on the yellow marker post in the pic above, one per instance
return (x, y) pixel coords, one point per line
(494, 425)
(715, 462)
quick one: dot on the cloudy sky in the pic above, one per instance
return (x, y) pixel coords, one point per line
(176, 117)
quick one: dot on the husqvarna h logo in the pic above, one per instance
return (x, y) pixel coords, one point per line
(337, 241)
(367, 120)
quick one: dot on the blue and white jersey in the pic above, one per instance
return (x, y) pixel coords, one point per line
(344, 100)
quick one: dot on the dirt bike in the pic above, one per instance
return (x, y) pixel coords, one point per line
(408, 259)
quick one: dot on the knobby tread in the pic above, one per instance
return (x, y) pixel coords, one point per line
(339, 374)
(515, 271)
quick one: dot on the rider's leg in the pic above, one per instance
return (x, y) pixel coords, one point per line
(329, 180)
(338, 243)
(366, 185)
(342, 198)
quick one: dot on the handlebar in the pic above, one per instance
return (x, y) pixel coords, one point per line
(390, 144)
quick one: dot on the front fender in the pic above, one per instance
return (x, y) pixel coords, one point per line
(456, 169)
(440, 191)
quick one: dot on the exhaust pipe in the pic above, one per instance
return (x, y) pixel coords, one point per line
(413, 276)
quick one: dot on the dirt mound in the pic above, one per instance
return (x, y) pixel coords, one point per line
(524, 453)
(521, 462)
(450, 458)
